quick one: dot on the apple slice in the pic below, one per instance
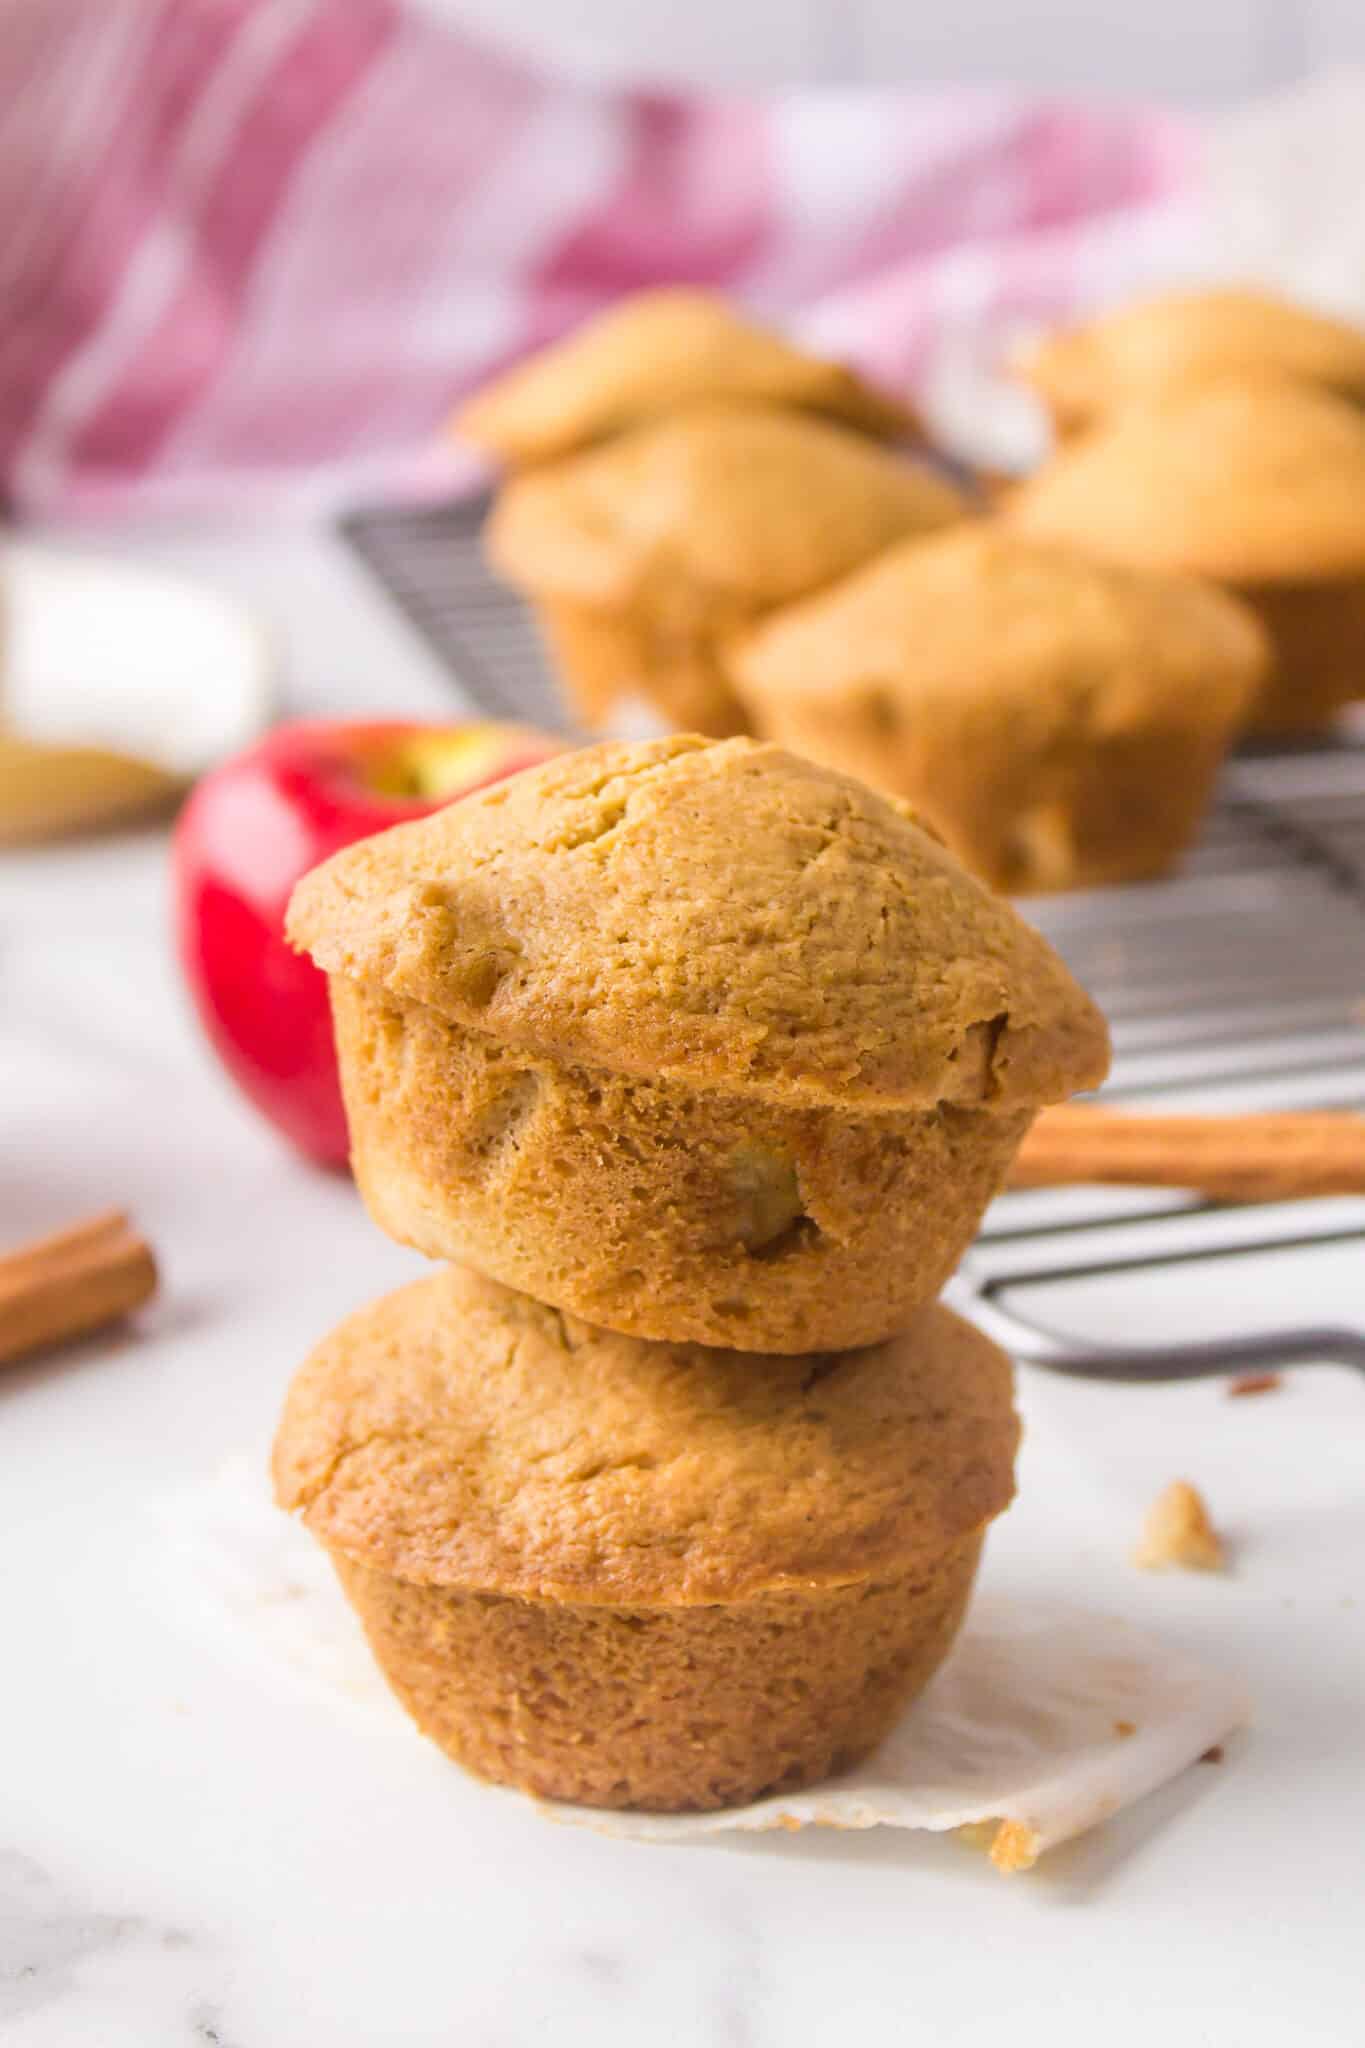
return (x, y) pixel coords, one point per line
(119, 683)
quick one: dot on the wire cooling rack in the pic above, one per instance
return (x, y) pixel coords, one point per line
(1238, 985)
(430, 562)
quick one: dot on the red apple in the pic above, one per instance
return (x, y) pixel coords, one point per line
(249, 830)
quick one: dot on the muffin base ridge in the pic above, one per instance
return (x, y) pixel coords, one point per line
(662, 1709)
(653, 1210)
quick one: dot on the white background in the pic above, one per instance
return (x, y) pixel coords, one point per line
(1193, 51)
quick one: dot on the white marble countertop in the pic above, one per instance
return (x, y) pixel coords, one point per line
(191, 1854)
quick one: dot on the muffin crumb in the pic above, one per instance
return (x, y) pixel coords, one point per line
(1015, 1847)
(1179, 1533)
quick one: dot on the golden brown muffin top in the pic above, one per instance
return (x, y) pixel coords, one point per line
(718, 912)
(742, 499)
(1254, 481)
(458, 1434)
(1086, 373)
(1057, 640)
(650, 355)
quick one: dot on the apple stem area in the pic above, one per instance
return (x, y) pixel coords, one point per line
(428, 765)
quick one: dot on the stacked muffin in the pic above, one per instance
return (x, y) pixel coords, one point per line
(703, 515)
(1060, 719)
(1219, 432)
(676, 474)
(1257, 484)
(702, 1063)
(1182, 341)
(654, 354)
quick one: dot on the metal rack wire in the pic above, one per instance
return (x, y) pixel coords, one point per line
(1239, 984)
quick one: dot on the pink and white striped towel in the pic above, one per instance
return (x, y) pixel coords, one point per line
(251, 251)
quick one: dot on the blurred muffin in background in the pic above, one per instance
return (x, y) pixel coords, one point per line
(1086, 374)
(642, 558)
(1058, 720)
(1256, 483)
(651, 355)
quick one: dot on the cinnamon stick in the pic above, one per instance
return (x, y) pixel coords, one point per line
(1271, 1156)
(77, 1280)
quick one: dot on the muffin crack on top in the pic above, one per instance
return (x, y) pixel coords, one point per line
(826, 949)
(316, 1487)
(615, 801)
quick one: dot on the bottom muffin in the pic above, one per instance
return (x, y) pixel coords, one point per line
(662, 1709)
(645, 1575)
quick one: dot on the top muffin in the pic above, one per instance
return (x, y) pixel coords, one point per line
(691, 1039)
(722, 914)
(651, 355)
(1089, 372)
